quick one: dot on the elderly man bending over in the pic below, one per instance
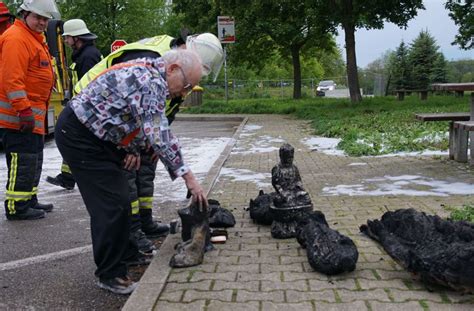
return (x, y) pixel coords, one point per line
(120, 112)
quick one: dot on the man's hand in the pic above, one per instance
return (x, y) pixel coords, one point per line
(153, 156)
(197, 193)
(132, 161)
(27, 120)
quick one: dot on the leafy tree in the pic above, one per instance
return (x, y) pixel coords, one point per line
(399, 67)
(291, 27)
(462, 13)
(333, 65)
(199, 15)
(12, 5)
(422, 58)
(376, 76)
(370, 14)
(439, 73)
(467, 77)
(118, 19)
(461, 70)
(315, 65)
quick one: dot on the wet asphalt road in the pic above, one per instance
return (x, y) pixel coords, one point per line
(47, 264)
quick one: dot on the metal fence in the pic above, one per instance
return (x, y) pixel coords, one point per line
(245, 89)
(371, 85)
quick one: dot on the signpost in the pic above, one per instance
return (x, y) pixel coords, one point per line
(226, 34)
(117, 44)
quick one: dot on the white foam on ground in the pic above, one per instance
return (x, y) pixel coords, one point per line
(199, 154)
(435, 137)
(323, 144)
(262, 180)
(248, 128)
(407, 185)
(329, 146)
(412, 154)
(47, 193)
(262, 144)
(357, 164)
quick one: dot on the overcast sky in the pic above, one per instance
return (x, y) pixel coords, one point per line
(371, 44)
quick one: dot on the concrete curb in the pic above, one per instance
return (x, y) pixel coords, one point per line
(154, 279)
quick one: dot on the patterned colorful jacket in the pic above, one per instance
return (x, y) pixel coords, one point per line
(125, 105)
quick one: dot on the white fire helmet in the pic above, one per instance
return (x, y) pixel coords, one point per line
(209, 48)
(77, 28)
(45, 8)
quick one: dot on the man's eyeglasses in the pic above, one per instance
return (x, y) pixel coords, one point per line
(188, 87)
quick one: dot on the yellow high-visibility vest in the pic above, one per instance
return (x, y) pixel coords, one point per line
(158, 44)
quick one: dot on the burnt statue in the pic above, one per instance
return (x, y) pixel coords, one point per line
(328, 251)
(196, 237)
(290, 200)
(219, 217)
(287, 182)
(439, 251)
(290, 212)
(260, 208)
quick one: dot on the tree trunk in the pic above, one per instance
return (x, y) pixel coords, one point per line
(295, 55)
(352, 75)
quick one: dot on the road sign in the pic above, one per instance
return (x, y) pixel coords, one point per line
(226, 29)
(117, 44)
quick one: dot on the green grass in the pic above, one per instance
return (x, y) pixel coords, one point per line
(466, 212)
(376, 126)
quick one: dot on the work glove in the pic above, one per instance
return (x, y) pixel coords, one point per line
(27, 120)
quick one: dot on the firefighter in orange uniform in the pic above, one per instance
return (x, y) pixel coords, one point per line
(26, 82)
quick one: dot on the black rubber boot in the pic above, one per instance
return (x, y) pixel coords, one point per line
(45, 207)
(151, 228)
(64, 180)
(28, 214)
(144, 245)
(38, 206)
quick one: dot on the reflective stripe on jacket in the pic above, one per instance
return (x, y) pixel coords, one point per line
(158, 44)
(26, 76)
(74, 76)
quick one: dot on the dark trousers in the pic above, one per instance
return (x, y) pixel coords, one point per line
(24, 155)
(141, 188)
(97, 167)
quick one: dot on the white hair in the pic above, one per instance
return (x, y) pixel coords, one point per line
(186, 59)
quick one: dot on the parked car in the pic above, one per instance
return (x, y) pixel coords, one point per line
(326, 85)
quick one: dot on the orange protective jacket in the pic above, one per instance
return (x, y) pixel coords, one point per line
(26, 76)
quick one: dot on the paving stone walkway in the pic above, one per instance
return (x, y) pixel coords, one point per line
(253, 271)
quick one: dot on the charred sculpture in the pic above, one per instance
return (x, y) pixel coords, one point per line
(328, 251)
(260, 208)
(439, 251)
(219, 217)
(195, 235)
(290, 200)
(287, 182)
